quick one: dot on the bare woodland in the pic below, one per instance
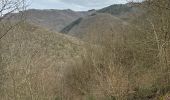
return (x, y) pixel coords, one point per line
(132, 63)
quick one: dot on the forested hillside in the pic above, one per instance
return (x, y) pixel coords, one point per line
(120, 52)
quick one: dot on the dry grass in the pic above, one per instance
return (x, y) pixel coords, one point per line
(33, 60)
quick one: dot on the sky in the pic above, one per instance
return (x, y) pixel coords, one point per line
(77, 5)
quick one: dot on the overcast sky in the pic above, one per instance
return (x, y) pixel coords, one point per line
(77, 5)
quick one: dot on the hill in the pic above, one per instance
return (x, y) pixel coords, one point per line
(103, 19)
(95, 23)
(124, 11)
(51, 19)
(34, 59)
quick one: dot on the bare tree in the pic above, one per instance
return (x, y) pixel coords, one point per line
(7, 8)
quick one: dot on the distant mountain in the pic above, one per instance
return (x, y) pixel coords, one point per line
(72, 22)
(102, 19)
(116, 9)
(96, 23)
(70, 26)
(51, 19)
(124, 11)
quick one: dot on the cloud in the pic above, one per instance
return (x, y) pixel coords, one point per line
(78, 5)
(94, 3)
